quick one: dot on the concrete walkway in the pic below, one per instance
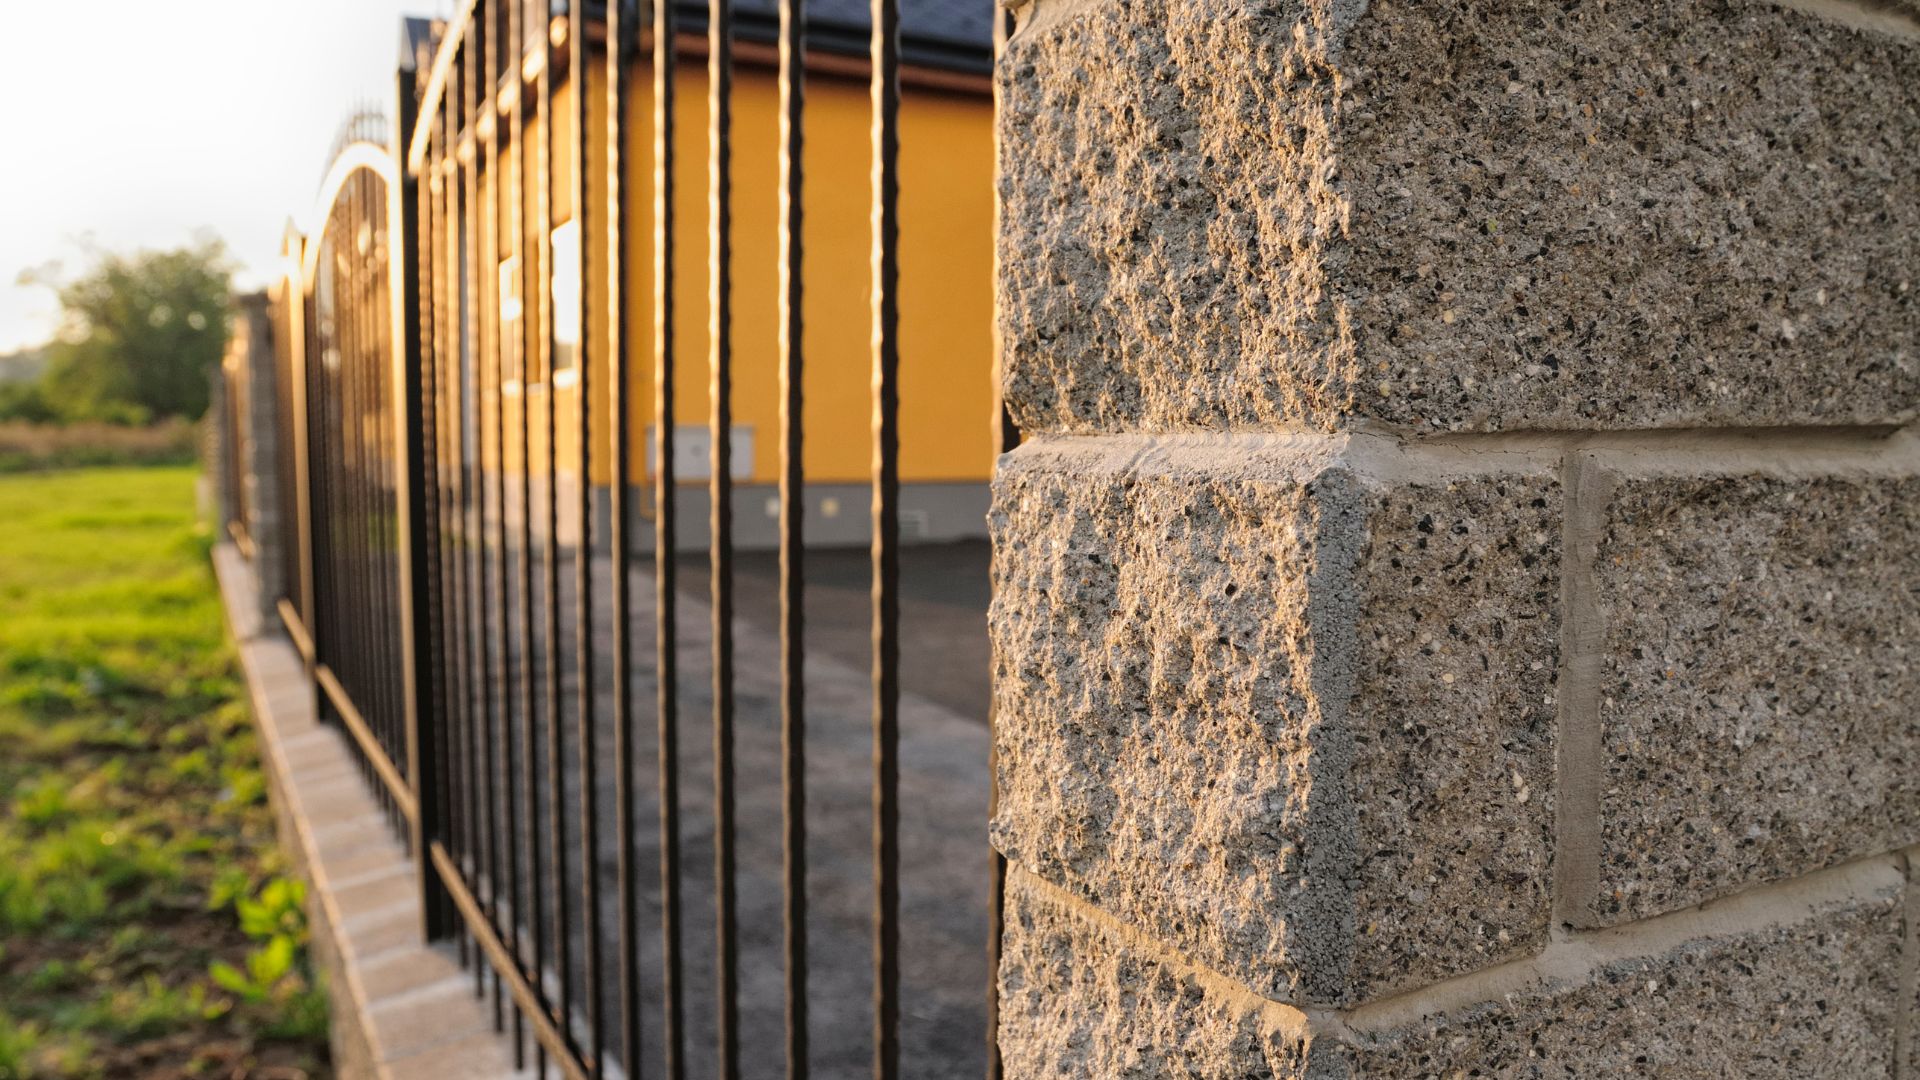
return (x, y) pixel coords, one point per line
(943, 783)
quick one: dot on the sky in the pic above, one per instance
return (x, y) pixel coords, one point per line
(145, 124)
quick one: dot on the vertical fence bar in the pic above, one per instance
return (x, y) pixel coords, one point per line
(421, 216)
(556, 774)
(446, 379)
(620, 45)
(484, 181)
(453, 561)
(532, 351)
(720, 516)
(583, 549)
(379, 380)
(378, 649)
(429, 185)
(431, 256)
(302, 448)
(886, 538)
(313, 463)
(340, 601)
(473, 701)
(353, 406)
(362, 367)
(286, 480)
(665, 660)
(433, 801)
(346, 513)
(230, 407)
(793, 725)
(450, 555)
(385, 660)
(324, 402)
(411, 388)
(368, 370)
(473, 508)
(500, 734)
(382, 645)
(460, 716)
(349, 552)
(393, 433)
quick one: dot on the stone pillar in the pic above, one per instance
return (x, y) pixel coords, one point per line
(1458, 605)
(253, 335)
(217, 499)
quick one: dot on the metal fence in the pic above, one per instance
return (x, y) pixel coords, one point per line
(250, 473)
(289, 414)
(232, 392)
(461, 371)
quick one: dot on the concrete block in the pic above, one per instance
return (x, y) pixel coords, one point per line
(1480, 215)
(407, 970)
(350, 837)
(376, 894)
(373, 858)
(341, 808)
(1816, 996)
(427, 1016)
(1758, 696)
(1080, 997)
(482, 1054)
(371, 933)
(398, 1006)
(1283, 702)
(1799, 983)
(316, 752)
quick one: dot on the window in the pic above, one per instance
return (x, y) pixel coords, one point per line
(565, 289)
(511, 334)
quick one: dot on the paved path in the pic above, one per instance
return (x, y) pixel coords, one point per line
(944, 795)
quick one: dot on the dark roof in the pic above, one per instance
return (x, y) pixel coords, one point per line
(949, 35)
(953, 35)
(418, 39)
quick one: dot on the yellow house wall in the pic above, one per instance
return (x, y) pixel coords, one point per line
(945, 289)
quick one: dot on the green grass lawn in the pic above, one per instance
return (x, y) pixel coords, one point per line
(145, 930)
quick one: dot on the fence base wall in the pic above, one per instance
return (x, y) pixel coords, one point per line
(402, 1009)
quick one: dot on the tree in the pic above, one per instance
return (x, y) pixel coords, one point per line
(141, 335)
(20, 394)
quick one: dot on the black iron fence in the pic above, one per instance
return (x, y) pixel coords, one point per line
(289, 413)
(490, 588)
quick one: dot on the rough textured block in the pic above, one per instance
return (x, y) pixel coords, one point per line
(1284, 703)
(1485, 214)
(1780, 988)
(1759, 702)
(1081, 998)
(1912, 957)
(1816, 997)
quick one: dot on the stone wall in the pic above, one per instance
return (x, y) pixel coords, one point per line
(1456, 607)
(252, 375)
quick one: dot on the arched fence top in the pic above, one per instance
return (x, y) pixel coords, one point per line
(435, 86)
(353, 157)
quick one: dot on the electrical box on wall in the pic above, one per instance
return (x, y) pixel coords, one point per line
(693, 452)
